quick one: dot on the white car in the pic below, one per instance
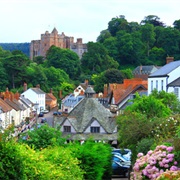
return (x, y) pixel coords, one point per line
(45, 111)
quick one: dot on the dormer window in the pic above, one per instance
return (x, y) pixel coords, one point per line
(67, 128)
(95, 129)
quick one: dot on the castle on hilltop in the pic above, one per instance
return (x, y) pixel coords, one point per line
(40, 47)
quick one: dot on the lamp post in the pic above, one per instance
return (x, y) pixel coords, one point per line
(36, 106)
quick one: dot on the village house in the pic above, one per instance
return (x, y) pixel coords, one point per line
(166, 78)
(89, 119)
(119, 95)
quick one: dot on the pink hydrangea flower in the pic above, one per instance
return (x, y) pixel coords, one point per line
(140, 154)
(169, 149)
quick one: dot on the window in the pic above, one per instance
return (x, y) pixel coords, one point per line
(176, 91)
(157, 84)
(95, 129)
(151, 85)
(67, 128)
(162, 82)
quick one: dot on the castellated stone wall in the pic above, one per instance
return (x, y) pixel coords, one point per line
(40, 47)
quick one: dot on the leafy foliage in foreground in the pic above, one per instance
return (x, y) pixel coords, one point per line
(44, 137)
(21, 162)
(95, 159)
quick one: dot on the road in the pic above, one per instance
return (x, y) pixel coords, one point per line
(118, 178)
(48, 116)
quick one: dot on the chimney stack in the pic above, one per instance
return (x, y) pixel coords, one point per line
(25, 87)
(60, 94)
(169, 59)
(38, 86)
(51, 90)
(105, 94)
(86, 82)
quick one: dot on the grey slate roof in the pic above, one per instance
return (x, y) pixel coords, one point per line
(166, 69)
(25, 101)
(89, 90)
(38, 91)
(145, 69)
(71, 100)
(89, 108)
(175, 83)
(13, 105)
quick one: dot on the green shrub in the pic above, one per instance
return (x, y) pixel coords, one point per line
(11, 161)
(95, 159)
(144, 145)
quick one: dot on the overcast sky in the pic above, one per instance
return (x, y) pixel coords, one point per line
(26, 20)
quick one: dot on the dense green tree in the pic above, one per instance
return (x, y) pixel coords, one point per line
(4, 78)
(55, 77)
(129, 47)
(111, 45)
(39, 59)
(156, 55)
(127, 73)
(43, 137)
(149, 105)
(15, 66)
(168, 39)
(103, 36)
(168, 99)
(35, 75)
(106, 77)
(64, 59)
(148, 37)
(116, 24)
(97, 59)
(4, 53)
(133, 27)
(67, 88)
(177, 24)
(152, 19)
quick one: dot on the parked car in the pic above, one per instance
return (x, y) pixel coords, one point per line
(43, 120)
(55, 113)
(45, 111)
(121, 162)
(41, 114)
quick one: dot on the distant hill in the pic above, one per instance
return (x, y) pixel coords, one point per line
(24, 47)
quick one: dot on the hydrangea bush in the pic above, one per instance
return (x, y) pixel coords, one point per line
(154, 163)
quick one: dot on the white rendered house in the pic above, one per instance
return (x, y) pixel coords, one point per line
(36, 96)
(166, 78)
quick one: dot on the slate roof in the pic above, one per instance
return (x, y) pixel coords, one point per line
(145, 69)
(166, 69)
(5, 107)
(25, 101)
(38, 91)
(71, 100)
(21, 106)
(13, 105)
(88, 109)
(175, 83)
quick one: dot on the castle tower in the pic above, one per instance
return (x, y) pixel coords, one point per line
(40, 47)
